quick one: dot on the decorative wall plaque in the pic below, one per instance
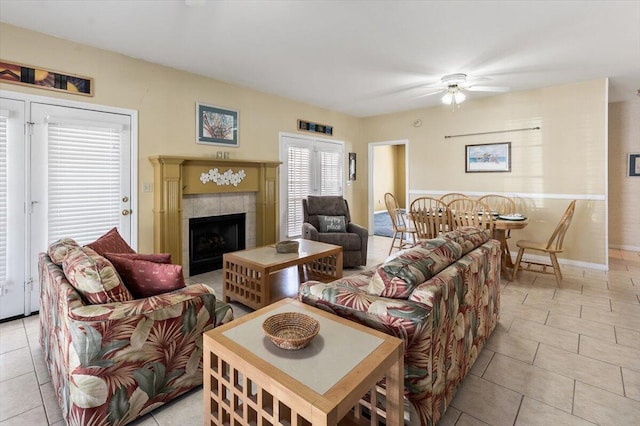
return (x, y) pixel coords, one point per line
(26, 75)
(307, 126)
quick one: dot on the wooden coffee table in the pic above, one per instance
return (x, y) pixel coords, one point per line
(250, 381)
(260, 276)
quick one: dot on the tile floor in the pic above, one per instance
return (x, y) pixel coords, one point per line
(567, 356)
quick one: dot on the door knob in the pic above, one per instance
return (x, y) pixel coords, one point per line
(125, 212)
(125, 199)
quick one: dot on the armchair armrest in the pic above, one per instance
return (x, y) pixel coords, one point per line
(357, 229)
(309, 232)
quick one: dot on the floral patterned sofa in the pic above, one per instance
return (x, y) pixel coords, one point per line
(112, 362)
(442, 297)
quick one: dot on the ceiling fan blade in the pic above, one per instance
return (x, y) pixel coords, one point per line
(497, 89)
(429, 94)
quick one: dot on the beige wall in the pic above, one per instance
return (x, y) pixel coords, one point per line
(566, 157)
(384, 178)
(165, 100)
(389, 163)
(624, 191)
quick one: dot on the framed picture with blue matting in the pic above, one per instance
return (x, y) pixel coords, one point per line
(216, 126)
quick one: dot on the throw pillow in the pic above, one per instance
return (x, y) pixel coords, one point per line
(94, 277)
(144, 278)
(157, 258)
(59, 250)
(398, 277)
(111, 242)
(332, 223)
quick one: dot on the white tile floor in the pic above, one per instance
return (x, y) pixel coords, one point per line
(567, 356)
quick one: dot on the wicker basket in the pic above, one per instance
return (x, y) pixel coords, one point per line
(287, 246)
(291, 330)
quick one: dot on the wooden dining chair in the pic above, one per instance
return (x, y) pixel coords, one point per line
(447, 198)
(552, 247)
(399, 224)
(499, 203)
(468, 212)
(502, 205)
(429, 216)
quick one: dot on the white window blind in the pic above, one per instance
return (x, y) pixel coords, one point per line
(331, 173)
(298, 186)
(4, 193)
(83, 181)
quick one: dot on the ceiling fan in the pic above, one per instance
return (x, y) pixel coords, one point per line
(454, 85)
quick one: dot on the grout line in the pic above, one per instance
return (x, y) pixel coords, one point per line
(515, 420)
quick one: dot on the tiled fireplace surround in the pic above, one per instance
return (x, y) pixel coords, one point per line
(203, 205)
(191, 187)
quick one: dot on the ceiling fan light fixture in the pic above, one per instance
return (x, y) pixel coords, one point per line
(447, 99)
(459, 97)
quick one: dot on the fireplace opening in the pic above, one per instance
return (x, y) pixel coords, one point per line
(210, 237)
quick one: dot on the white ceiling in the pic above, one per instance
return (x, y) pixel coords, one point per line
(360, 57)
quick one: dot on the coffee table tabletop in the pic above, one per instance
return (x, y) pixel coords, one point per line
(317, 385)
(259, 276)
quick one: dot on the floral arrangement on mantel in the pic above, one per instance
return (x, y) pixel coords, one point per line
(225, 179)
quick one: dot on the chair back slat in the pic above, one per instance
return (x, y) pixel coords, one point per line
(429, 216)
(557, 238)
(395, 213)
(447, 198)
(499, 203)
(468, 212)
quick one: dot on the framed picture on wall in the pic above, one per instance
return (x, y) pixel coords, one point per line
(216, 126)
(489, 157)
(352, 166)
(634, 164)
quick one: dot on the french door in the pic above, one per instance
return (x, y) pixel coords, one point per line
(76, 177)
(309, 167)
(12, 202)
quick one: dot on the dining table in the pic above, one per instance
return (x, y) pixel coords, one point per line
(501, 228)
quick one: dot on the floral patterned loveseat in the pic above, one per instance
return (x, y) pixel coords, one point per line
(115, 361)
(442, 297)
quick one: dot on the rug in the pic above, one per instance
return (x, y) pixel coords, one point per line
(382, 224)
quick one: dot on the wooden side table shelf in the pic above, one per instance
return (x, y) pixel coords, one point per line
(250, 381)
(260, 276)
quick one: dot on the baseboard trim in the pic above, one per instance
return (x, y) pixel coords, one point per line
(624, 247)
(580, 264)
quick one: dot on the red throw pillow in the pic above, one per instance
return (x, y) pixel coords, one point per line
(144, 278)
(111, 242)
(157, 258)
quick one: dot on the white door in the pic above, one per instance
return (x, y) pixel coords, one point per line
(309, 167)
(12, 206)
(81, 177)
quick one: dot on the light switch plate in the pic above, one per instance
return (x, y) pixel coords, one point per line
(147, 187)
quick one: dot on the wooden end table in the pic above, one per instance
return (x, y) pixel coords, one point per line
(260, 276)
(250, 381)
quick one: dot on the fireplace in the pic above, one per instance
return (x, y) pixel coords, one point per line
(210, 237)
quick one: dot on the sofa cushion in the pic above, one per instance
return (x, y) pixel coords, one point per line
(332, 223)
(145, 278)
(398, 277)
(468, 237)
(59, 250)
(94, 277)
(111, 242)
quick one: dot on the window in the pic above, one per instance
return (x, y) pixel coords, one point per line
(310, 167)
